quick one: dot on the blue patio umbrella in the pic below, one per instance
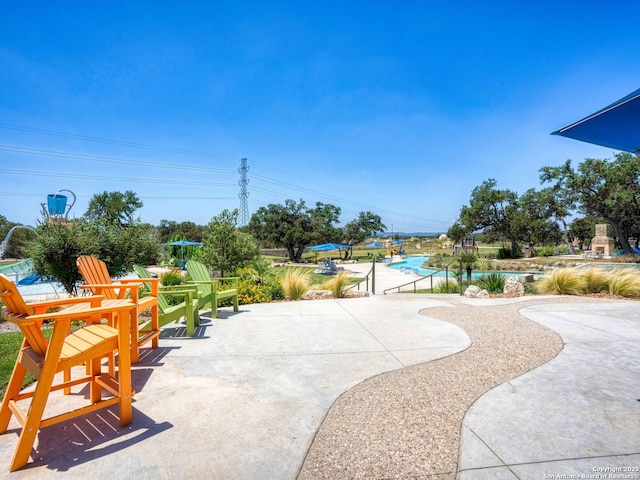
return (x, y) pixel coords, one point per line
(615, 126)
(326, 247)
(182, 244)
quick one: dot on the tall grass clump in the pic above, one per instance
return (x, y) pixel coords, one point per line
(492, 282)
(562, 281)
(453, 287)
(625, 283)
(295, 283)
(337, 284)
(596, 280)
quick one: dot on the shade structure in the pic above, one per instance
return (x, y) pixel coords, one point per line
(616, 126)
(182, 244)
(325, 247)
(375, 245)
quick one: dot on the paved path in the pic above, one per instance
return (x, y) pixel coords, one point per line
(244, 398)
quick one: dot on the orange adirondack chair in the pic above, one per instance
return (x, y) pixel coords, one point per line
(97, 279)
(45, 358)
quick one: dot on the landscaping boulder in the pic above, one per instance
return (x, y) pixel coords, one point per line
(513, 287)
(473, 291)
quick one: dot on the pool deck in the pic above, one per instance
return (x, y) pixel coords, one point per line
(250, 396)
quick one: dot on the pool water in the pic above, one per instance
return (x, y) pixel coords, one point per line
(413, 265)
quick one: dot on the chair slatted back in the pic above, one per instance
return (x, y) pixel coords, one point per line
(94, 271)
(15, 310)
(146, 287)
(199, 273)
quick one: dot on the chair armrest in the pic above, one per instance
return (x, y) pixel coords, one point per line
(132, 287)
(154, 282)
(189, 294)
(78, 314)
(42, 306)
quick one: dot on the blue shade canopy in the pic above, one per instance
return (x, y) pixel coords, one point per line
(183, 243)
(616, 126)
(375, 245)
(325, 247)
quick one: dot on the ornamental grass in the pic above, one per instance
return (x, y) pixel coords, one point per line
(562, 281)
(295, 283)
(625, 283)
(596, 280)
(337, 284)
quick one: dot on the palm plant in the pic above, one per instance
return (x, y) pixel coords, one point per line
(468, 260)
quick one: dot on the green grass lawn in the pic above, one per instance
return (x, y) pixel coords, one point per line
(10, 343)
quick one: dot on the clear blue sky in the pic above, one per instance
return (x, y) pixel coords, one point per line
(397, 107)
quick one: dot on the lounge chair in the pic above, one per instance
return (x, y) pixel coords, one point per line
(44, 358)
(188, 308)
(208, 292)
(97, 279)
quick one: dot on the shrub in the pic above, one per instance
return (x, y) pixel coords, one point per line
(625, 283)
(337, 284)
(492, 282)
(596, 280)
(172, 277)
(442, 287)
(546, 251)
(295, 283)
(484, 264)
(504, 253)
(563, 281)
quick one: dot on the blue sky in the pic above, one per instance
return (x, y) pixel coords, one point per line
(397, 107)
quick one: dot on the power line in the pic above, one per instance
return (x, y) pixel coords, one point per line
(88, 138)
(101, 177)
(97, 158)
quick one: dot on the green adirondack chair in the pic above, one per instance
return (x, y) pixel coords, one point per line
(208, 292)
(173, 313)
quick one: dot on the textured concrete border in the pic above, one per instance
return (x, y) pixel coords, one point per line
(407, 423)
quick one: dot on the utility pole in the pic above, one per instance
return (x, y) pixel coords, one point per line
(244, 194)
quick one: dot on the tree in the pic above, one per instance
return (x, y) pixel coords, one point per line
(226, 248)
(118, 243)
(294, 226)
(607, 189)
(584, 229)
(456, 232)
(364, 226)
(533, 221)
(491, 210)
(114, 207)
(169, 230)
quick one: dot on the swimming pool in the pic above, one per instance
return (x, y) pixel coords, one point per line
(413, 266)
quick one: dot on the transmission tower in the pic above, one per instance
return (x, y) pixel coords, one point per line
(244, 194)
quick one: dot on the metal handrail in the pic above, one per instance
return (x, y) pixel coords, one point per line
(372, 274)
(414, 282)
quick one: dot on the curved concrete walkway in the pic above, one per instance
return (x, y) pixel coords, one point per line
(245, 398)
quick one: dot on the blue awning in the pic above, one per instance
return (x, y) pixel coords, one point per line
(325, 247)
(616, 126)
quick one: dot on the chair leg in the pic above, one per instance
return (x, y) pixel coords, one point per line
(135, 337)
(190, 321)
(155, 325)
(214, 305)
(124, 367)
(235, 303)
(39, 400)
(13, 389)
